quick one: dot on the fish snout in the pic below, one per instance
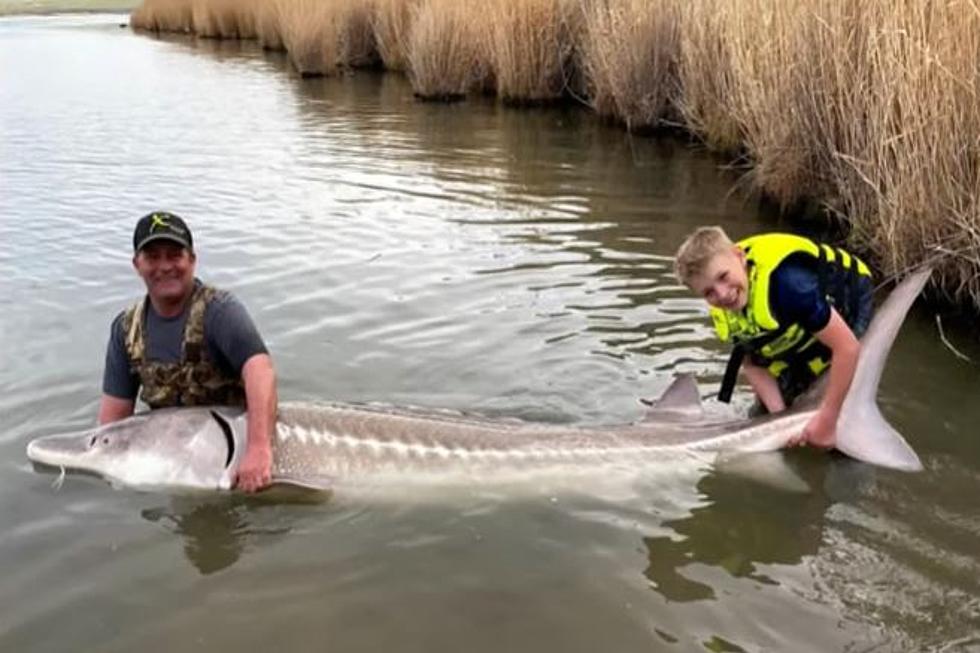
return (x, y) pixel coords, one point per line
(59, 450)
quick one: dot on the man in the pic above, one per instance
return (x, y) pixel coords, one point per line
(188, 344)
(793, 305)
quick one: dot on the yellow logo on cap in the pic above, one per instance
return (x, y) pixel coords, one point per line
(159, 220)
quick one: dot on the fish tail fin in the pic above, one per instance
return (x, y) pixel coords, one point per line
(862, 431)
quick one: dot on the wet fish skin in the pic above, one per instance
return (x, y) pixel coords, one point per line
(323, 445)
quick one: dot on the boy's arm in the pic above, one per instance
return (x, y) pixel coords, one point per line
(821, 430)
(765, 385)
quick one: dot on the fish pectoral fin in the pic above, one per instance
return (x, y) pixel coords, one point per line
(316, 484)
(768, 468)
(296, 491)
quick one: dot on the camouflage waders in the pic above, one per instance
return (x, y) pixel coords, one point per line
(195, 380)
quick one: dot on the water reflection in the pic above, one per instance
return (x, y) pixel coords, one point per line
(744, 525)
(213, 533)
(217, 530)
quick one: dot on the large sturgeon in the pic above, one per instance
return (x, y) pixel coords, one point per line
(320, 446)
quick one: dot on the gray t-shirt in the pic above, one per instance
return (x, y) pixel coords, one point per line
(230, 336)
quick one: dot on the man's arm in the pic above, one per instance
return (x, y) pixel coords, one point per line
(820, 431)
(261, 399)
(119, 384)
(765, 385)
(113, 409)
(235, 339)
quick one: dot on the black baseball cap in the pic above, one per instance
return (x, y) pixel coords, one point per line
(162, 225)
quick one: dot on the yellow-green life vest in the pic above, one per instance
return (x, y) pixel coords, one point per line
(756, 328)
(193, 381)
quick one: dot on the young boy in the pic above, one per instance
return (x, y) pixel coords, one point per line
(792, 305)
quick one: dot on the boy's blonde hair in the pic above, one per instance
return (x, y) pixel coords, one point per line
(697, 250)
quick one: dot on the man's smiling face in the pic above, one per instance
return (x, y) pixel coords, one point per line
(167, 269)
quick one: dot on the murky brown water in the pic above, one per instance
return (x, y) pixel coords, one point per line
(473, 257)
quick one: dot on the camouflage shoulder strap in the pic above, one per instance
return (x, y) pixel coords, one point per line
(133, 330)
(194, 348)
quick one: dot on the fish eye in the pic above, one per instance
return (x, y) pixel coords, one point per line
(105, 440)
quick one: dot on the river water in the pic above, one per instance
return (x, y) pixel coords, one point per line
(474, 257)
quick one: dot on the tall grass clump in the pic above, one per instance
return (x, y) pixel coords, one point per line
(358, 48)
(872, 110)
(772, 75)
(444, 54)
(528, 47)
(308, 34)
(706, 76)
(224, 19)
(630, 50)
(906, 165)
(267, 28)
(321, 37)
(391, 21)
(164, 16)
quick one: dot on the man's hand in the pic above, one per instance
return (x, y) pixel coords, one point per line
(820, 431)
(255, 471)
(260, 396)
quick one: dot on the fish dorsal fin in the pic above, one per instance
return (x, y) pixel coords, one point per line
(679, 401)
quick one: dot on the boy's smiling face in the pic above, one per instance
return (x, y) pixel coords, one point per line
(724, 282)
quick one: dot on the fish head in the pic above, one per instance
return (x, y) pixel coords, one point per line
(172, 447)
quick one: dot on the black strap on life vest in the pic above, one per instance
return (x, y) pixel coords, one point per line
(823, 268)
(851, 290)
(738, 355)
(731, 374)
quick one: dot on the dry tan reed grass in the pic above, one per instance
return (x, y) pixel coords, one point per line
(629, 56)
(871, 109)
(164, 16)
(771, 84)
(358, 47)
(224, 19)
(707, 79)
(528, 47)
(308, 34)
(444, 54)
(908, 175)
(232, 19)
(392, 22)
(321, 37)
(267, 28)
